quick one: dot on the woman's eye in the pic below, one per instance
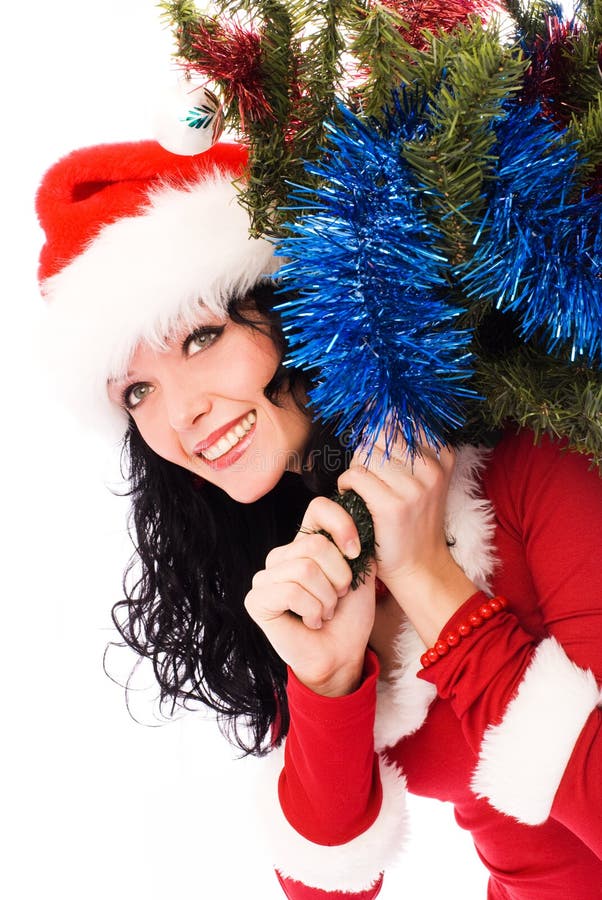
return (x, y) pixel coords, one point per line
(134, 395)
(201, 339)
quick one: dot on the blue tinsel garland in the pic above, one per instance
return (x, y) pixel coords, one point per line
(370, 314)
(370, 310)
(539, 247)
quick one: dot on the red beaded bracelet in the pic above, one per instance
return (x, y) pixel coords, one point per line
(476, 618)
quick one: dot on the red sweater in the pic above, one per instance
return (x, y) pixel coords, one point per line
(513, 737)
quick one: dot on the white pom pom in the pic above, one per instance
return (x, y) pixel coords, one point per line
(188, 119)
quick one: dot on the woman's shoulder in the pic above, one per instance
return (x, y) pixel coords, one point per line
(526, 470)
(520, 448)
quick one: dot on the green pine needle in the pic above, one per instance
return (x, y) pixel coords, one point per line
(586, 131)
(469, 74)
(535, 390)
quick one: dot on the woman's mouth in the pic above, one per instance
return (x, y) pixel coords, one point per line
(229, 446)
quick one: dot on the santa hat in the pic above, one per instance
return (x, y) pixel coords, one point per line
(136, 239)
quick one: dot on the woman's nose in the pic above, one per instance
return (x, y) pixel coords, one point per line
(185, 403)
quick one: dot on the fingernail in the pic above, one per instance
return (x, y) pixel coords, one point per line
(352, 549)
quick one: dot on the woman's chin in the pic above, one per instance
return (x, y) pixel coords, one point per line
(251, 492)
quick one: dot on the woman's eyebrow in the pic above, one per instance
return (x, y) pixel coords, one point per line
(120, 379)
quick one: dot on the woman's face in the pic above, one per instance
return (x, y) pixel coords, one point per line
(200, 404)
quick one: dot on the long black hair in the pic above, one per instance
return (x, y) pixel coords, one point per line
(196, 552)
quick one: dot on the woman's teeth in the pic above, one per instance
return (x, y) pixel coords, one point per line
(231, 438)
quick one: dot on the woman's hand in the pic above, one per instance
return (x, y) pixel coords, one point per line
(303, 603)
(407, 502)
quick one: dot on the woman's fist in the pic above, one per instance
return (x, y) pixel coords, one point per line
(407, 500)
(303, 603)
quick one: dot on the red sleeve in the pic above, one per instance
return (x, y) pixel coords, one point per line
(330, 789)
(331, 795)
(528, 700)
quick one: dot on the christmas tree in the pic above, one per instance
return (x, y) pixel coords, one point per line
(433, 173)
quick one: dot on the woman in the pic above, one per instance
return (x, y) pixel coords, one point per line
(160, 302)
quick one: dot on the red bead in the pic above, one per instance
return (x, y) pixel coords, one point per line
(452, 638)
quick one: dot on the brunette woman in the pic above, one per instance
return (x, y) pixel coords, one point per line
(481, 613)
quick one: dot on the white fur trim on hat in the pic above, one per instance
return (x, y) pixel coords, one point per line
(522, 760)
(355, 866)
(404, 700)
(188, 249)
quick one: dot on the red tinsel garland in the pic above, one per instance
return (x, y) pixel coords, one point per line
(231, 55)
(548, 76)
(434, 15)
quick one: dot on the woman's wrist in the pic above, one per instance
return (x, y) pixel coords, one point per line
(430, 598)
(339, 684)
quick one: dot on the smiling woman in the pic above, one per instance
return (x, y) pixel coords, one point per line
(244, 604)
(223, 429)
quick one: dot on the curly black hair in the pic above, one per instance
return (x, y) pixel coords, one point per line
(196, 552)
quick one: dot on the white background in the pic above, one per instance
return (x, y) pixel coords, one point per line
(95, 805)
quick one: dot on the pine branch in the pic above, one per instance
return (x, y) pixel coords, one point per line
(469, 75)
(229, 8)
(587, 132)
(544, 394)
(182, 16)
(320, 69)
(270, 154)
(357, 509)
(531, 18)
(380, 48)
(585, 85)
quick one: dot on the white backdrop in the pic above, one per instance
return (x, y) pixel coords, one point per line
(94, 804)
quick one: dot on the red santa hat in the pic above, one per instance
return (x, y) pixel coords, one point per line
(136, 239)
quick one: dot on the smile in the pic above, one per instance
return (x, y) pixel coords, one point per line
(230, 439)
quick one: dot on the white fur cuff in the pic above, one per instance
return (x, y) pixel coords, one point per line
(355, 866)
(522, 760)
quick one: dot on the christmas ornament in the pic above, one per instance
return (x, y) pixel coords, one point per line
(231, 56)
(188, 119)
